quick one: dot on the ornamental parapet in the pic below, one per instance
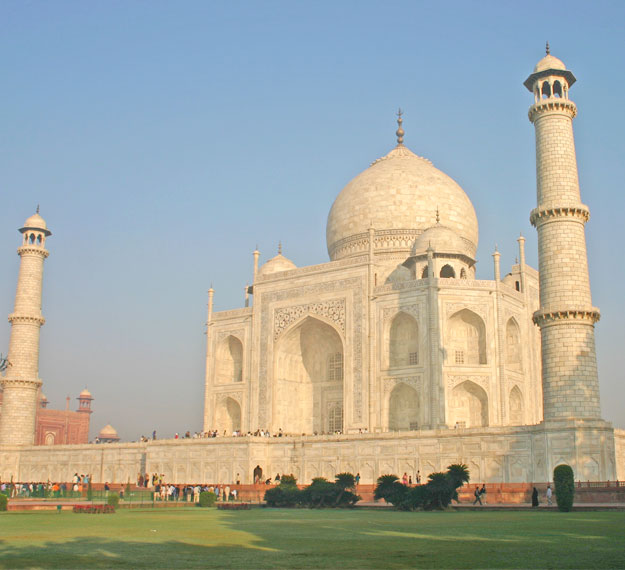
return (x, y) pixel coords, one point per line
(543, 214)
(26, 319)
(553, 104)
(8, 382)
(32, 249)
(546, 317)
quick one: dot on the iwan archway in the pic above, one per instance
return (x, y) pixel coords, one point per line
(308, 379)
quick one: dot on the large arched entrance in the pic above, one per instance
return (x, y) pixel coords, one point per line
(308, 373)
(467, 341)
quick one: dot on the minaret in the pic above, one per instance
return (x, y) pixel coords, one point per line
(21, 381)
(566, 316)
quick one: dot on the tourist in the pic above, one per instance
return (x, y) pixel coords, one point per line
(549, 495)
(483, 492)
(418, 478)
(404, 478)
(238, 479)
(535, 497)
(410, 480)
(357, 479)
(477, 495)
(277, 478)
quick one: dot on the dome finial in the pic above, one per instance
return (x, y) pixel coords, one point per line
(438, 217)
(547, 48)
(400, 132)
(279, 248)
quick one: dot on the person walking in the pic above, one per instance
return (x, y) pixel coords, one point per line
(483, 492)
(549, 495)
(535, 497)
(477, 495)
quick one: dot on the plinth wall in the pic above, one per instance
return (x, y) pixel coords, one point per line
(493, 455)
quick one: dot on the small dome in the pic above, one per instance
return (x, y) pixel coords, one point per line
(36, 221)
(549, 62)
(108, 431)
(276, 264)
(442, 239)
(85, 394)
(43, 397)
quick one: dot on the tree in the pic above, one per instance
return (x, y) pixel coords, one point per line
(564, 483)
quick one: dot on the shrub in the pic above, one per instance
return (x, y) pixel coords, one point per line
(4, 501)
(207, 499)
(283, 496)
(390, 489)
(288, 480)
(565, 487)
(113, 500)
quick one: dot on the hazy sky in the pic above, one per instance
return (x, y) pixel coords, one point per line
(164, 140)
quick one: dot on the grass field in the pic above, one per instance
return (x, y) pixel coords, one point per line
(273, 538)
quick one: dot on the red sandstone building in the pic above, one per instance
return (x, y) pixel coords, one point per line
(56, 427)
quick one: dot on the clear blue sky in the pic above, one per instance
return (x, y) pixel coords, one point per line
(164, 140)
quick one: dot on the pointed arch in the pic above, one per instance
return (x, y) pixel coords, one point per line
(467, 338)
(403, 408)
(403, 341)
(513, 343)
(228, 415)
(447, 272)
(424, 273)
(308, 378)
(515, 405)
(469, 405)
(229, 362)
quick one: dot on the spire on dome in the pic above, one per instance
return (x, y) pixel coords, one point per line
(438, 217)
(547, 50)
(400, 132)
(37, 208)
(279, 248)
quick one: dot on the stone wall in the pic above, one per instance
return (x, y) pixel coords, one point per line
(494, 455)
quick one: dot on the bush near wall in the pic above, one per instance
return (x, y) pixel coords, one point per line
(113, 500)
(4, 501)
(207, 499)
(564, 484)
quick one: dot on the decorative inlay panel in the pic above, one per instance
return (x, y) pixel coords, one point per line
(389, 382)
(452, 308)
(453, 380)
(333, 310)
(390, 312)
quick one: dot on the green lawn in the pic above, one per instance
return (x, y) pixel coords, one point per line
(273, 538)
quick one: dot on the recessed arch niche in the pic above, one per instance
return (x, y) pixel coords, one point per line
(228, 415)
(467, 334)
(513, 344)
(308, 379)
(403, 341)
(403, 408)
(229, 360)
(515, 404)
(468, 405)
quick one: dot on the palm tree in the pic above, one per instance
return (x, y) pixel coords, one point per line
(343, 482)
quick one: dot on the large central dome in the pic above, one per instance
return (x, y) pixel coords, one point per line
(398, 195)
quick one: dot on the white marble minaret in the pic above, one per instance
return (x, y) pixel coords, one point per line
(566, 316)
(21, 381)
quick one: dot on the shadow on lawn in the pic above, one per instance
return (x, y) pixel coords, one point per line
(103, 553)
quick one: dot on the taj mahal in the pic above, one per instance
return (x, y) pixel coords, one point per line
(391, 357)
